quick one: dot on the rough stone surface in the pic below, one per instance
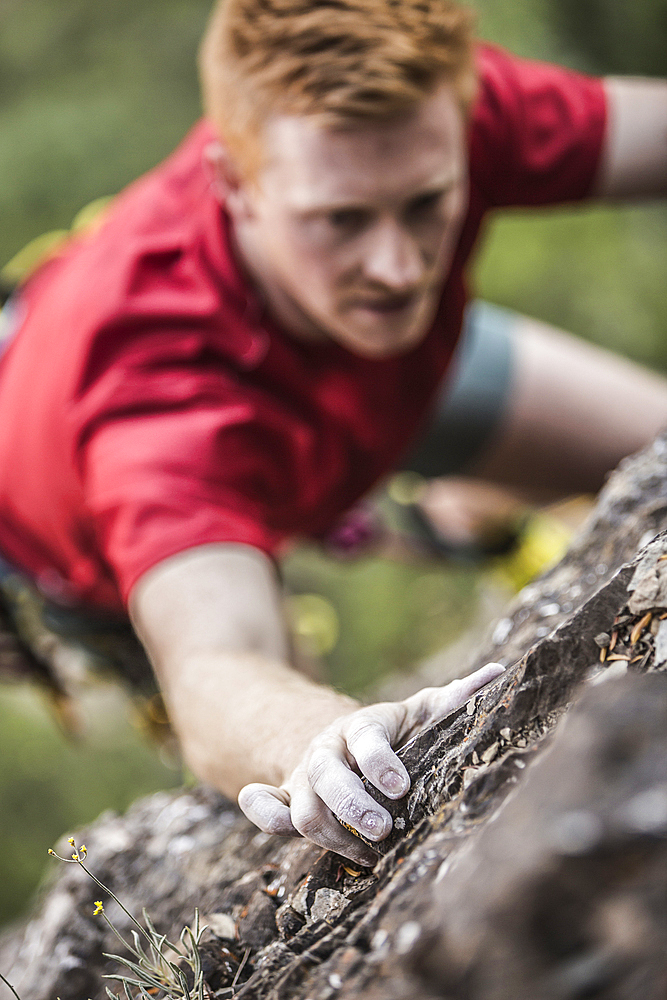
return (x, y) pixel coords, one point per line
(581, 908)
(474, 836)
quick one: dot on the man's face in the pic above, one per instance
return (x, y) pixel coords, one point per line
(349, 233)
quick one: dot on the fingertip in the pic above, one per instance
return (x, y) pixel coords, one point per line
(499, 668)
(487, 673)
(367, 858)
(395, 782)
(264, 807)
(375, 824)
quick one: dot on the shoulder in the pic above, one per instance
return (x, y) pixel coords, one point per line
(536, 130)
(159, 266)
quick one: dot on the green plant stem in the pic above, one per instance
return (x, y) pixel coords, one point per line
(125, 910)
(121, 938)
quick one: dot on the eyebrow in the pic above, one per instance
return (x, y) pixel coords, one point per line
(440, 186)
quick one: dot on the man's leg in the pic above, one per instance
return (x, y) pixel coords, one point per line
(574, 411)
(533, 411)
(475, 395)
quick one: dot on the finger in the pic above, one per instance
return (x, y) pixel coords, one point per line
(462, 688)
(267, 808)
(368, 742)
(343, 792)
(317, 823)
(431, 705)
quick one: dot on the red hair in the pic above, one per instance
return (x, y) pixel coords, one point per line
(338, 60)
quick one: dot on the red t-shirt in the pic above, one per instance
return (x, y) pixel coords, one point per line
(147, 405)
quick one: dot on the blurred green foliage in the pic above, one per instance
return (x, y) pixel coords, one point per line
(390, 614)
(616, 36)
(50, 784)
(91, 95)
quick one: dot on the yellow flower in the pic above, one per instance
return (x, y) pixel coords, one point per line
(99, 908)
(52, 853)
(71, 841)
(75, 857)
(83, 849)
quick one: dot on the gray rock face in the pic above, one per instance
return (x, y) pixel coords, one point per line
(570, 882)
(507, 834)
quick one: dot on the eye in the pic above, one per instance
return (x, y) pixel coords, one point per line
(347, 218)
(425, 203)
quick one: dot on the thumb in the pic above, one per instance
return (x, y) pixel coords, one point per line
(268, 808)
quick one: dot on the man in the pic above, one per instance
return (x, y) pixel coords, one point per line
(256, 335)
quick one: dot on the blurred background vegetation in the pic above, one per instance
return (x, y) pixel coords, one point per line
(91, 95)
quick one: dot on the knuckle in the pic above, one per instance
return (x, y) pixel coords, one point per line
(347, 805)
(308, 822)
(318, 765)
(274, 824)
(366, 729)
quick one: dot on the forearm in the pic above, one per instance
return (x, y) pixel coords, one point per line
(211, 621)
(242, 717)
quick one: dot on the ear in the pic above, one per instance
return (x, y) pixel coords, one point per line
(228, 185)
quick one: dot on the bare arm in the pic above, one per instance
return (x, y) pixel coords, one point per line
(210, 620)
(634, 160)
(575, 409)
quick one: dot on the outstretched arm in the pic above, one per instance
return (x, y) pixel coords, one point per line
(634, 159)
(211, 622)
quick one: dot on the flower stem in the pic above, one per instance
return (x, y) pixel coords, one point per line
(124, 908)
(7, 983)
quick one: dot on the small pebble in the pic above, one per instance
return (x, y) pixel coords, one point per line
(576, 832)
(379, 939)
(502, 631)
(469, 775)
(407, 936)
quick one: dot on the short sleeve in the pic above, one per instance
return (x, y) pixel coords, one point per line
(537, 131)
(159, 483)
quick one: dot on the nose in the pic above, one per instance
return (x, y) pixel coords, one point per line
(393, 257)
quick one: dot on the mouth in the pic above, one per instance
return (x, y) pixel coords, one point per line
(389, 305)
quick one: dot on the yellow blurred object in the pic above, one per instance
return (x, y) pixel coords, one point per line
(544, 540)
(406, 487)
(37, 252)
(91, 216)
(314, 622)
(46, 246)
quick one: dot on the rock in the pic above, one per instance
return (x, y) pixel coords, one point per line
(581, 908)
(329, 904)
(311, 926)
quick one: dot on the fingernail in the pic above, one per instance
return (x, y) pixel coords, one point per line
(393, 782)
(373, 823)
